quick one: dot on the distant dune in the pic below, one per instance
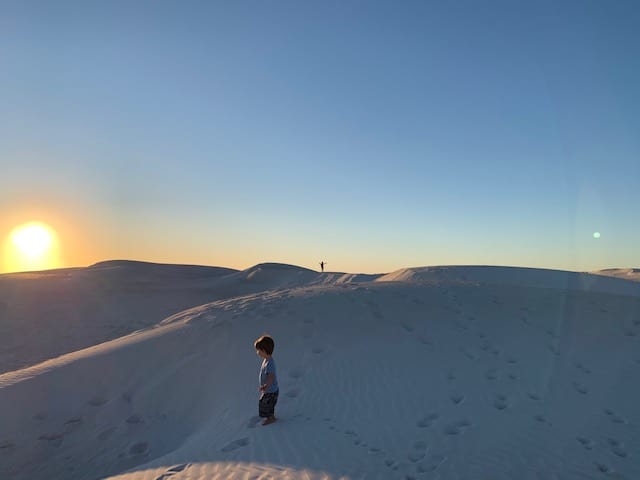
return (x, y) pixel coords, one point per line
(442, 372)
(530, 277)
(632, 274)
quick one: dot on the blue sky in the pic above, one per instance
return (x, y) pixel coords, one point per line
(373, 135)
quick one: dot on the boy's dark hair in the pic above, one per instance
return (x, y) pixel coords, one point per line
(264, 343)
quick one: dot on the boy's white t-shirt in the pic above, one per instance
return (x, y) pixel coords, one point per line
(269, 366)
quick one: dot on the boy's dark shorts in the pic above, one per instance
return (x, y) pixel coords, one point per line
(267, 404)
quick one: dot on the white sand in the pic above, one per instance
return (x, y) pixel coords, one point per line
(434, 373)
(625, 273)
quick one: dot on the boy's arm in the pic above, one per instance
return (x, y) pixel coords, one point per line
(270, 377)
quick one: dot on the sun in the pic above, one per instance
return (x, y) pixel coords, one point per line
(31, 246)
(32, 241)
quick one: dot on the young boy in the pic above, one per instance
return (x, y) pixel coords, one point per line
(268, 382)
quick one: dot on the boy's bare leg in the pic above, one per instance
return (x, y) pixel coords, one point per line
(269, 420)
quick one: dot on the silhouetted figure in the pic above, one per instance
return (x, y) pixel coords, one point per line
(322, 264)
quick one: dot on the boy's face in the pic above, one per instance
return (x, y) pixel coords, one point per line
(261, 353)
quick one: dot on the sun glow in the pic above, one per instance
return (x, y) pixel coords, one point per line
(31, 246)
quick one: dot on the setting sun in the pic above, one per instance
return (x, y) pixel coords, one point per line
(31, 246)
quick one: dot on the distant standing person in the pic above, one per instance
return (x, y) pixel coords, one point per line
(322, 264)
(268, 381)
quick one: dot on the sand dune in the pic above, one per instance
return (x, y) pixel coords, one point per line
(632, 274)
(526, 277)
(447, 372)
(47, 314)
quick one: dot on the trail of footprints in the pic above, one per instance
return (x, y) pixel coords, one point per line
(419, 458)
(418, 453)
(612, 445)
(501, 401)
(56, 438)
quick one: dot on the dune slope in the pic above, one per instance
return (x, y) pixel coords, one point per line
(446, 378)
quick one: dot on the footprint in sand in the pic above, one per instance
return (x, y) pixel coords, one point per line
(461, 327)
(392, 464)
(533, 396)
(551, 333)
(457, 428)
(613, 416)
(236, 444)
(486, 347)
(468, 354)
(173, 470)
(418, 452)
(586, 443)
(541, 419)
(456, 399)
(601, 467)
(135, 420)
(7, 446)
(617, 447)
(581, 388)
(428, 420)
(500, 402)
(408, 328)
(105, 434)
(317, 350)
(491, 374)
(54, 439)
(72, 424)
(139, 448)
(582, 368)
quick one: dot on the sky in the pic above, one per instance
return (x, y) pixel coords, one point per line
(371, 135)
